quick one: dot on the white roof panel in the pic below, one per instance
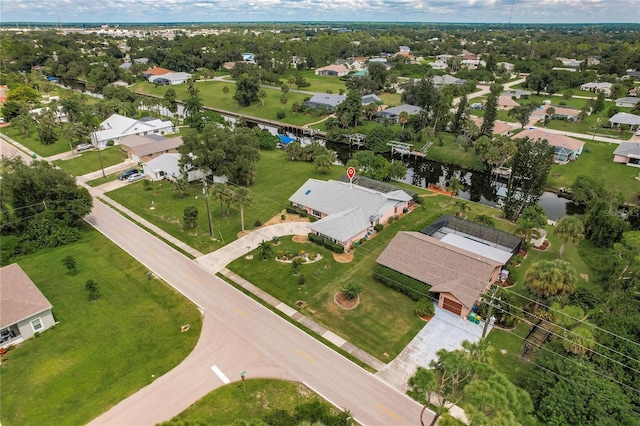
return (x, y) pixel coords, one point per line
(477, 247)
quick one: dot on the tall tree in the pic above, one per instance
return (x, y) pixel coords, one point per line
(242, 200)
(550, 278)
(24, 120)
(490, 110)
(349, 112)
(522, 113)
(531, 165)
(247, 88)
(461, 116)
(569, 229)
(262, 95)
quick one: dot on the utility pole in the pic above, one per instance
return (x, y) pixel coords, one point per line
(94, 140)
(489, 313)
(206, 199)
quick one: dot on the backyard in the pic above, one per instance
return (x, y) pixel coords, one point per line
(90, 161)
(100, 352)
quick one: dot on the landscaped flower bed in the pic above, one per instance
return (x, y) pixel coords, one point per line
(302, 256)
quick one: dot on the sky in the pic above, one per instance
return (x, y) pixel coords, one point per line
(476, 11)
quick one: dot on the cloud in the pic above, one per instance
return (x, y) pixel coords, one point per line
(491, 11)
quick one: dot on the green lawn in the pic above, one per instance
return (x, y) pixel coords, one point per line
(101, 351)
(319, 83)
(391, 99)
(597, 163)
(33, 143)
(451, 152)
(212, 95)
(507, 345)
(89, 161)
(229, 404)
(278, 178)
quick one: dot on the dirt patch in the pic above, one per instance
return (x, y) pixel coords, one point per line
(343, 257)
(288, 217)
(341, 300)
(300, 239)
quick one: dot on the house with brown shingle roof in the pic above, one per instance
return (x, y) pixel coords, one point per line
(144, 148)
(24, 310)
(505, 103)
(332, 71)
(457, 276)
(566, 148)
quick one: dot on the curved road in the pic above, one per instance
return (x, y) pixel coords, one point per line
(238, 334)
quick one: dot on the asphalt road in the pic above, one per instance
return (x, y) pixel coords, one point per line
(238, 335)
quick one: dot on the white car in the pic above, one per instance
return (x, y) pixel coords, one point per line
(83, 147)
(135, 177)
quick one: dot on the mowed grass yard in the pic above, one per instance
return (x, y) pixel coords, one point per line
(89, 161)
(33, 143)
(598, 164)
(228, 404)
(277, 179)
(212, 95)
(383, 323)
(101, 351)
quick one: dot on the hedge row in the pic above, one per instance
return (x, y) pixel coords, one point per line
(411, 287)
(336, 248)
(296, 210)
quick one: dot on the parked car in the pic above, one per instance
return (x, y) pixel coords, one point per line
(124, 175)
(135, 177)
(83, 147)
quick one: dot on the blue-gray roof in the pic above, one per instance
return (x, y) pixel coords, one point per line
(395, 111)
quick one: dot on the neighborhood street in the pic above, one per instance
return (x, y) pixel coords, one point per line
(238, 335)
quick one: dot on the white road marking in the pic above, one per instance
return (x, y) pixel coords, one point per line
(220, 374)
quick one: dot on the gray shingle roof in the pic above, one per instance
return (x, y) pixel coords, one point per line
(348, 208)
(628, 148)
(19, 296)
(446, 268)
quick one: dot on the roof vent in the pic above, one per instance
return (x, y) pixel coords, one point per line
(308, 191)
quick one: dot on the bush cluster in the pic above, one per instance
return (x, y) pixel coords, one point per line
(400, 282)
(334, 247)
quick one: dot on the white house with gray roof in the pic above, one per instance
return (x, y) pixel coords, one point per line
(167, 166)
(347, 212)
(24, 310)
(627, 153)
(118, 126)
(326, 101)
(394, 112)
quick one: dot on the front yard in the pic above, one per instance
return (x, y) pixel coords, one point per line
(101, 351)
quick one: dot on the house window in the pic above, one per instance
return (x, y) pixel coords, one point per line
(36, 324)
(317, 213)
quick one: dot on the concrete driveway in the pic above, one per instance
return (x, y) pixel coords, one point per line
(444, 331)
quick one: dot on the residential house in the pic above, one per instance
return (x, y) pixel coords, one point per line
(59, 115)
(632, 74)
(516, 94)
(472, 64)
(457, 259)
(444, 58)
(394, 112)
(248, 57)
(566, 148)
(628, 102)
(446, 80)
(347, 212)
(597, 87)
(499, 127)
(117, 127)
(167, 166)
(558, 113)
(145, 148)
(627, 153)
(382, 60)
(370, 98)
(438, 65)
(155, 71)
(505, 103)
(631, 120)
(506, 65)
(326, 101)
(171, 78)
(24, 310)
(404, 50)
(569, 62)
(332, 71)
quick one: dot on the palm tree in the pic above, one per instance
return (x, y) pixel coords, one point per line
(463, 207)
(483, 219)
(550, 278)
(569, 229)
(527, 229)
(322, 163)
(455, 186)
(294, 150)
(242, 199)
(403, 118)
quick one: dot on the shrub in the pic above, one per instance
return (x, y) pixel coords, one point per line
(378, 227)
(312, 256)
(291, 210)
(302, 280)
(281, 115)
(351, 291)
(424, 308)
(411, 287)
(283, 216)
(315, 239)
(257, 223)
(336, 248)
(146, 185)
(303, 213)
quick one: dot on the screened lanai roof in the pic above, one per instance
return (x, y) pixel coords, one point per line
(483, 234)
(376, 185)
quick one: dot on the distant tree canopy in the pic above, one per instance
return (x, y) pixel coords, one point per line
(40, 206)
